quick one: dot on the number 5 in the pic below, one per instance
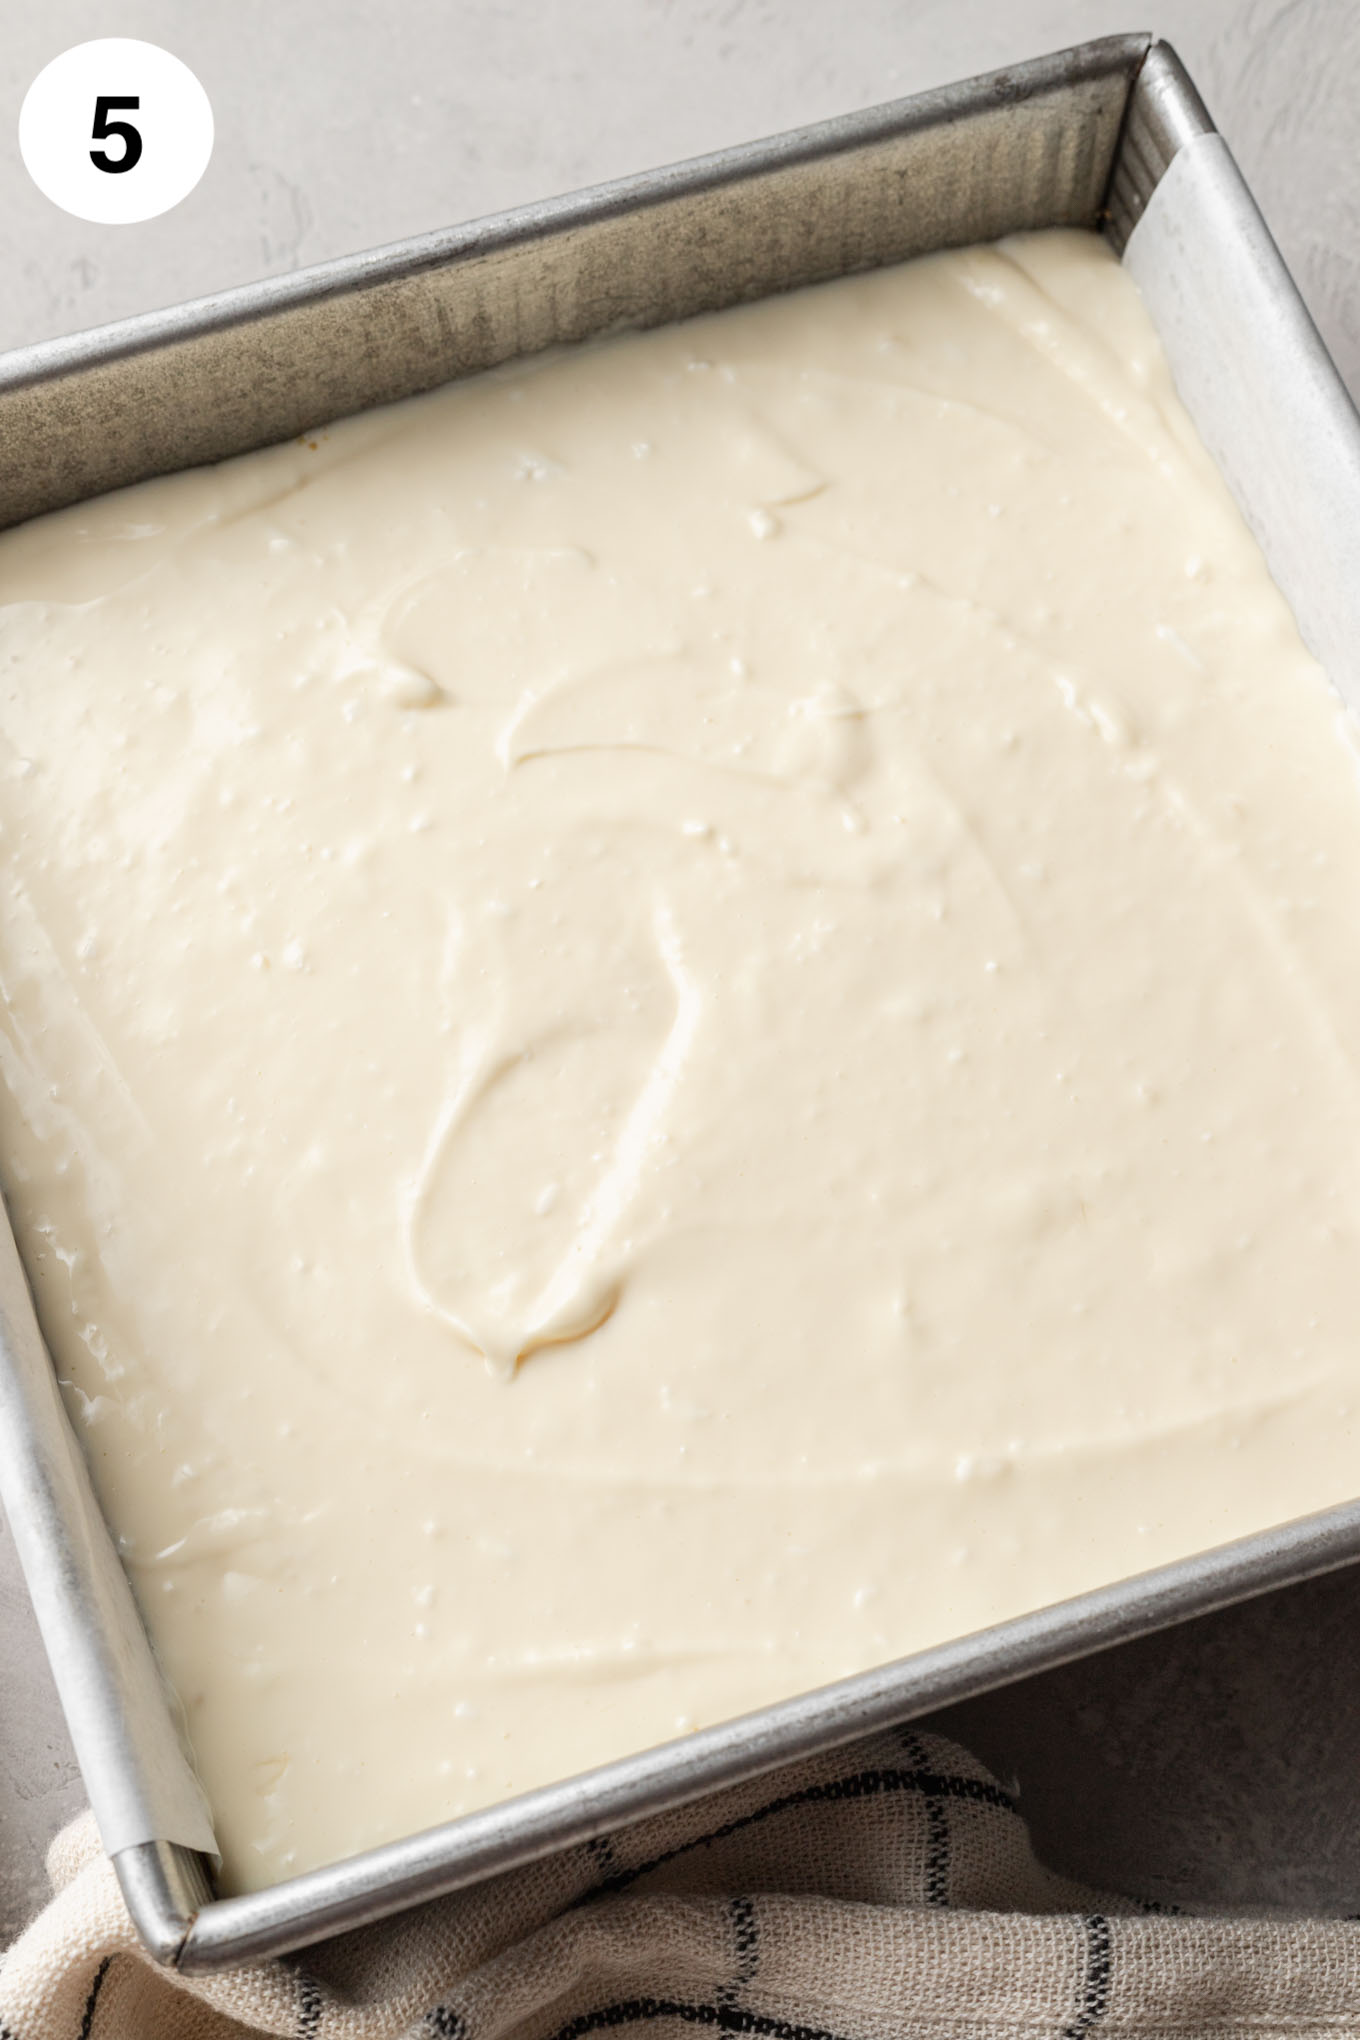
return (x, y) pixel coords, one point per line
(127, 134)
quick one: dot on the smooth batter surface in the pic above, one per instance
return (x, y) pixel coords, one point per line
(674, 1022)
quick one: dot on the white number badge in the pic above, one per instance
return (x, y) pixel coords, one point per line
(116, 131)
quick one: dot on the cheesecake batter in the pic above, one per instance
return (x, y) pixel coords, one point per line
(674, 1021)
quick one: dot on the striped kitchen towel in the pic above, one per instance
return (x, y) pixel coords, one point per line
(886, 1891)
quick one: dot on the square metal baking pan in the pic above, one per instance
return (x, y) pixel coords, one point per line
(1110, 135)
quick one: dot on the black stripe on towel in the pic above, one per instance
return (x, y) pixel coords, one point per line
(87, 2022)
(310, 2006)
(937, 1826)
(862, 1785)
(723, 2018)
(1095, 1984)
(741, 1912)
(447, 2024)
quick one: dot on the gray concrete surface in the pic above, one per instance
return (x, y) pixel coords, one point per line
(1218, 1764)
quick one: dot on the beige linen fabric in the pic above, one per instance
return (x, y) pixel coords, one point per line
(883, 1892)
